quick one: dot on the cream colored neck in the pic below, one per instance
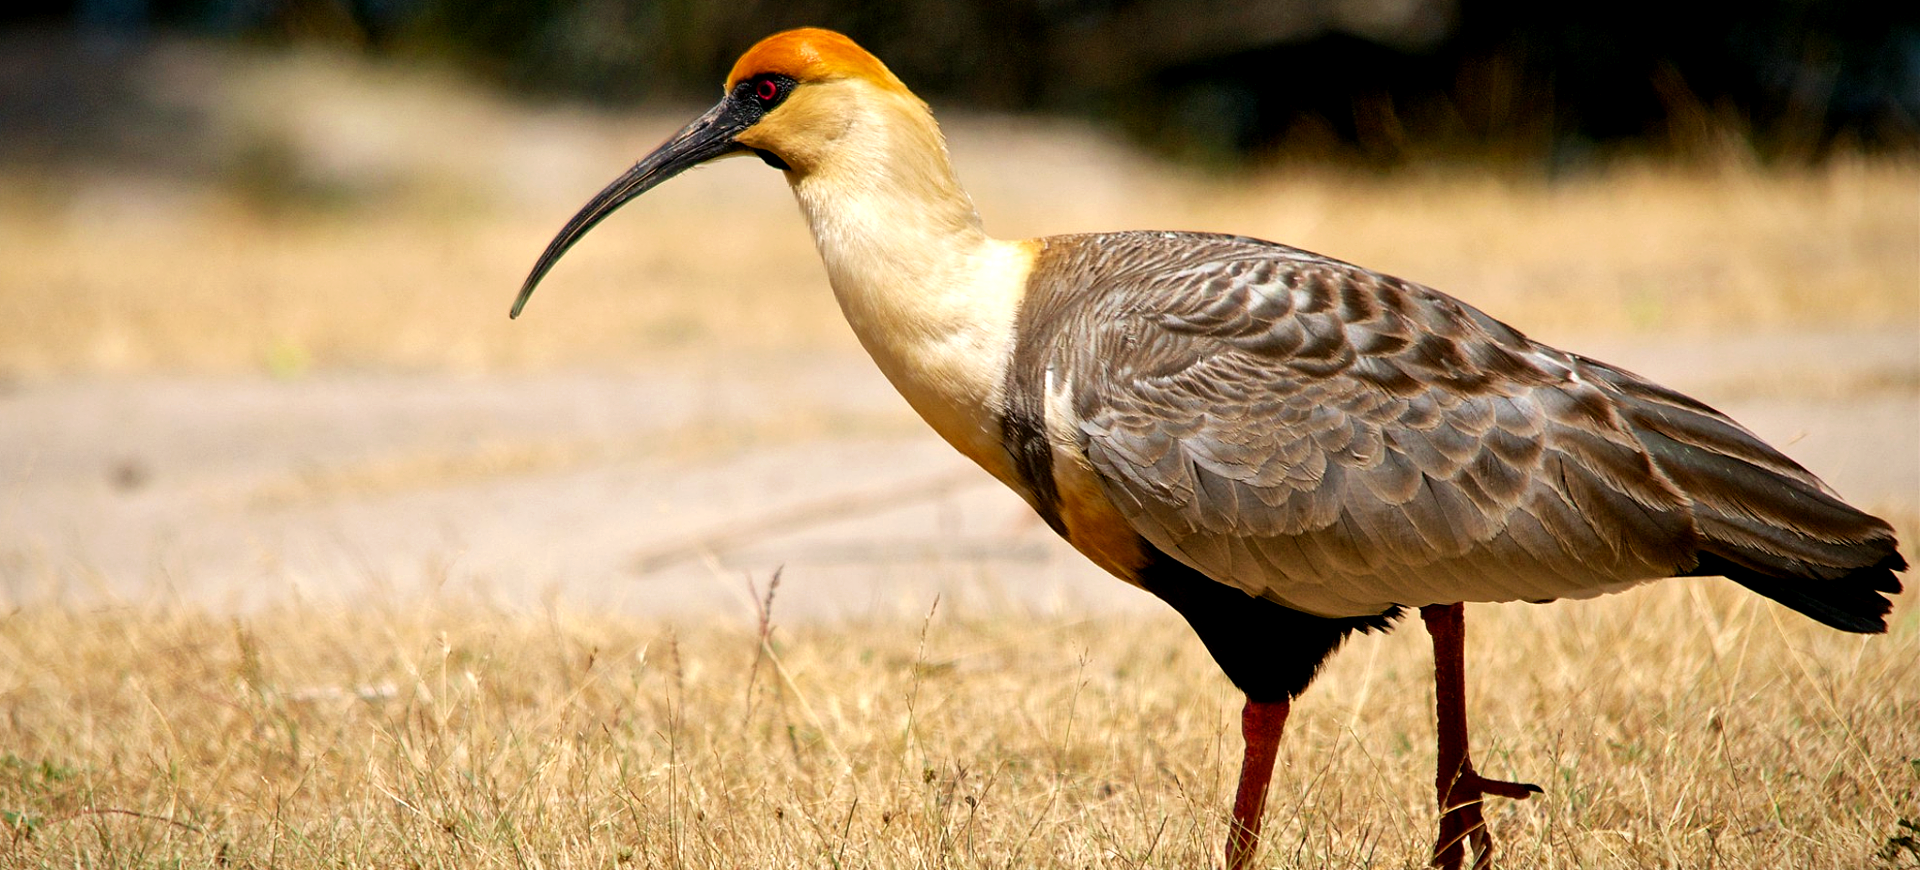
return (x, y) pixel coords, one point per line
(930, 296)
(893, 231)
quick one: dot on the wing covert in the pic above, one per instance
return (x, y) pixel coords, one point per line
(1341, 441)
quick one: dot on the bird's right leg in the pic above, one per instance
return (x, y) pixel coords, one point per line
(1261, 724)
(1460, 790)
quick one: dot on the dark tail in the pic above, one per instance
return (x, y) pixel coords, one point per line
(1851, 602)
(1764, 522)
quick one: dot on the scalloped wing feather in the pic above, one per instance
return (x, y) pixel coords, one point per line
(1340, 441)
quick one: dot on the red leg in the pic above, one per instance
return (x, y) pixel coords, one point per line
(1260, 724)
(1459, 789)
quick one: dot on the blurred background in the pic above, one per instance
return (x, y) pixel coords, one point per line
(255, 259)
(1378, 81)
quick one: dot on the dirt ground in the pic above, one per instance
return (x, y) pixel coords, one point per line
(663, 491)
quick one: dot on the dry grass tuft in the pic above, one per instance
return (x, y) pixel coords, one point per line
(1688, 725)
(122, 276)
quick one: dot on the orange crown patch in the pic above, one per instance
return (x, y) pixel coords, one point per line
(811, 54)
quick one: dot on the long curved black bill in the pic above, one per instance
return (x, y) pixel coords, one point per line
(709, 136)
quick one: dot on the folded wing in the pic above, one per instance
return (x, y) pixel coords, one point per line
(1341, 441)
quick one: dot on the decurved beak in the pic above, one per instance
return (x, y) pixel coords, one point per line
(709, 136)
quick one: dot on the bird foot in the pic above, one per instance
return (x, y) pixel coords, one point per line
(1461, 820)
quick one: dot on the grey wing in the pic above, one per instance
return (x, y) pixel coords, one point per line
(1341, 441)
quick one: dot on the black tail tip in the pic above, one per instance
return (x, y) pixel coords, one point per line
(1855, 602)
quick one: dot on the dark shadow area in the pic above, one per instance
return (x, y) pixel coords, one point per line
(1379, 83)
(82, 101)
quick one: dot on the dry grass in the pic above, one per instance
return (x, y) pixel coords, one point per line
(1689, 725)
(364, 215)
(123, 276)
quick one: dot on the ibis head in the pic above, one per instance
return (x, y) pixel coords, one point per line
(787, 101)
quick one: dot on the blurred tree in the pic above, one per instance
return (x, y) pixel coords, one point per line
(1380, 80)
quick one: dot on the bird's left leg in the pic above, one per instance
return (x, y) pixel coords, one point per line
(1460, 789)
(1261, 723)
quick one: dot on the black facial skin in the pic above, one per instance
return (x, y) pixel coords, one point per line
(709, 136)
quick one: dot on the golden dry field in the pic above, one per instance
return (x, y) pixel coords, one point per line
(124, 275)
(1685, 726)
(310, 558)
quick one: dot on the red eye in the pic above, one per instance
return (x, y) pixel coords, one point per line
(766, 90)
